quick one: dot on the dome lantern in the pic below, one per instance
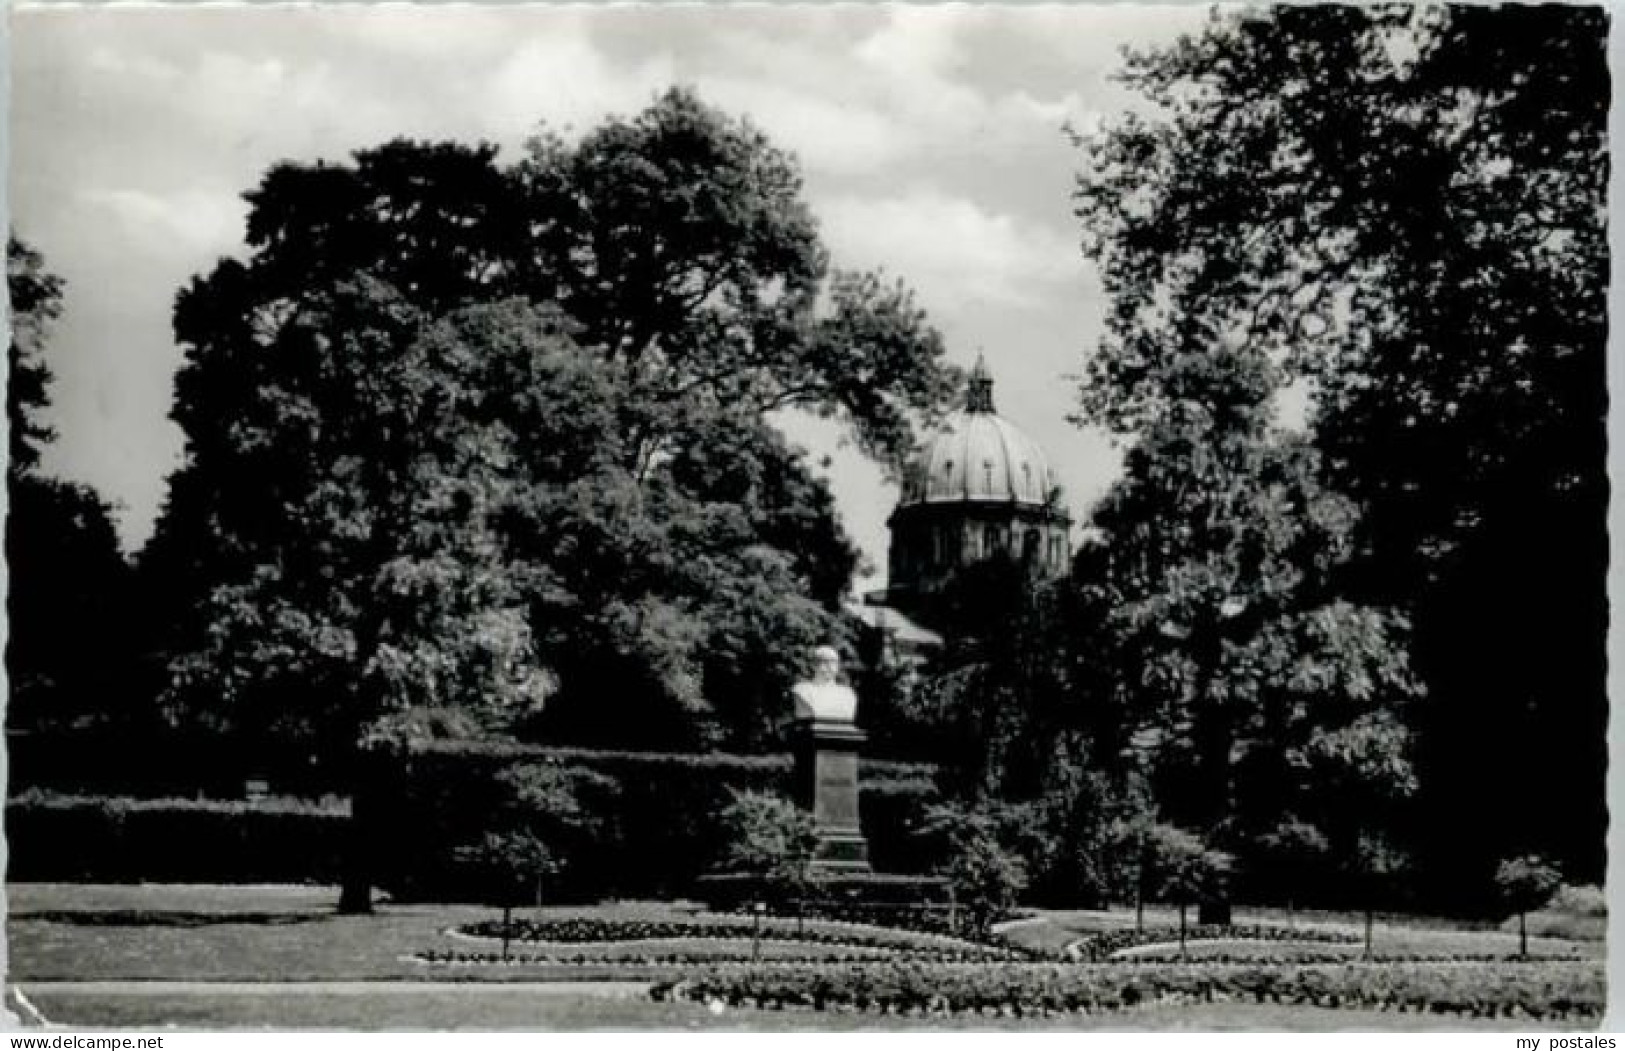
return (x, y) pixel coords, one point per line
(979, 395)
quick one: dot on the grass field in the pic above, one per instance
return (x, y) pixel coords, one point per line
(133, 934)
(490, 1008)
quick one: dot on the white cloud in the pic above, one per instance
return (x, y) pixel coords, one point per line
(928, 134)
(566, 79)
(827, 134)
(959, 254)
(189, 222)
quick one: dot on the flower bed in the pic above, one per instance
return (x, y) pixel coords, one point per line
(667, 954)
(1549, 992)
(1234, 951)
(1107, 944)
(567, 929)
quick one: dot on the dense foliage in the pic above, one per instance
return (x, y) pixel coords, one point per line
(1397, 213)
(473, 443)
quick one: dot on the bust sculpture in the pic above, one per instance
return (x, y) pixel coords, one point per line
(824, 699)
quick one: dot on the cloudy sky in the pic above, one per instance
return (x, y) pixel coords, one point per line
(930, 138)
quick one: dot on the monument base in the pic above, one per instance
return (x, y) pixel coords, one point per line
(890, 900)
(840, 850)
(827, 788)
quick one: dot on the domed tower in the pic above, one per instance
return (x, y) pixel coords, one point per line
(979, 489)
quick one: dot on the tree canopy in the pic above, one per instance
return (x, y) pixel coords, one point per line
(461, 432)
(1396, 214)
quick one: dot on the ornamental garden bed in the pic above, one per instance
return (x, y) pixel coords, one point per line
(1549, 992)
(1241, 951)
(581, 929)
(1107, 945)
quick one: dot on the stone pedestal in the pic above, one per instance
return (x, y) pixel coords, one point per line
(826, 785)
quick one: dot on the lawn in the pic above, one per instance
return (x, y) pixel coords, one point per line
(494, 1007)
(130, 934)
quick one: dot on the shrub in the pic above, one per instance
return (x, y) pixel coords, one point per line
(1575, 913)
(1580, 901)
(985, 877)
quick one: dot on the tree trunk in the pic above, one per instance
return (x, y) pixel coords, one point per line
(1213, 737)
(1523, 936)
(507, 928)
(1368, 934)
(355, 893)
(1182, 927)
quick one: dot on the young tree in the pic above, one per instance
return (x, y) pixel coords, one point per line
(509, 865)
(1524, 885)
(1293, 850)
(1179, 867)
(1377, 866)
(772, 839)
(1404, 207)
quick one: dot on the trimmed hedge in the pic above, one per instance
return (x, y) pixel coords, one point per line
(1549, 992)
(654, 816)
(58, 837)
(149, 762)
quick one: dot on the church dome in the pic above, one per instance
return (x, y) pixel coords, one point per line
(979, 456)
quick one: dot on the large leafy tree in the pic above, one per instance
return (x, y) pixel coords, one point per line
(654, 550)
(1403, 208)
(67, 651)
(1249, 684)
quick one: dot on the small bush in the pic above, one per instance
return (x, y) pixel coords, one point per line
(1580, 901)
(1574, 914)
(986, 878)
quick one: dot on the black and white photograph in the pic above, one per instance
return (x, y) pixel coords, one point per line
(807, 517)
